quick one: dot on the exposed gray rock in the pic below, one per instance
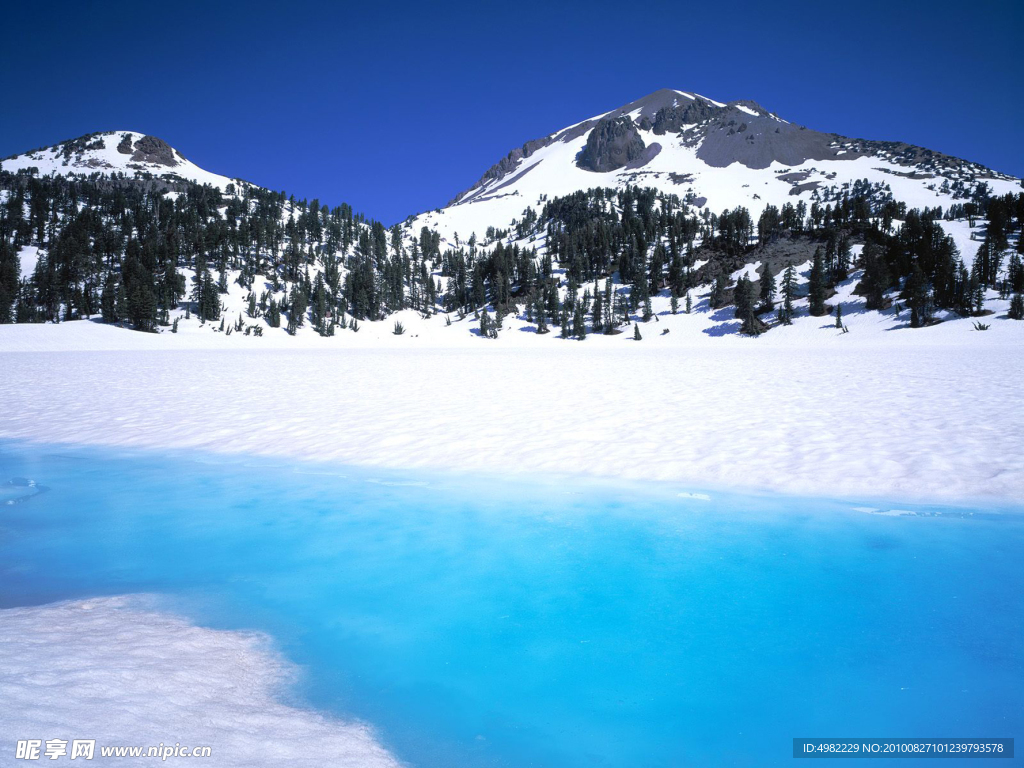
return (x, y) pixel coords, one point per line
(757, 141)
(672, 119)
(150, 149)
(797, 189)
(612, 144)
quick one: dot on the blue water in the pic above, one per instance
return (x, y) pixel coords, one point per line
(490, 622)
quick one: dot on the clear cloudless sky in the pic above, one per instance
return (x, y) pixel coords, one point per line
(396, 107)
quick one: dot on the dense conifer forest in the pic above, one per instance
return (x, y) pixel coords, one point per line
(141, 252)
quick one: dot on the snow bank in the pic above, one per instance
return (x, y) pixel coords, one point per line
(114, 670)
(901, 415)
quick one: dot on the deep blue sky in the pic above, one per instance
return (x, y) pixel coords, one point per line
(395, 108)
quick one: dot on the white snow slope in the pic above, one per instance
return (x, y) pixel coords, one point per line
(100, 154)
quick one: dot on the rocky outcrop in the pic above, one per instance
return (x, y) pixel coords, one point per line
(150, 149)
(672, 119)
(612, 144)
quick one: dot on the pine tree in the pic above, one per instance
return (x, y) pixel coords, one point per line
(689, 303)
(636, 332)
(839, 316)
(976, 293)
(108, 300)
(876, 279)
(746, 296)
(579, 325)
(788, 294)
(919, 298)
(142, 307)
(597, 313)
(274, 314)
(542, 325)
(10, 273)
(816, 286)
(1016, 307)
(717, 298)
(842, 259)
(767, 285)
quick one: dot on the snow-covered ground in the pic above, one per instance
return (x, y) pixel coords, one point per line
(908, 414)
(115, 670)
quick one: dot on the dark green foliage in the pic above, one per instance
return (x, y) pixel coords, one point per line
(816, 286)
(717, 298)
(273, 314)
(767, 289)
(1016, 307)
(10, 270)
(788, 295)
(746, 310)
(876, 280)
(919, 298)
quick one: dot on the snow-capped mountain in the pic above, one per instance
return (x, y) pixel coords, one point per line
(712, 155)
(133, 154)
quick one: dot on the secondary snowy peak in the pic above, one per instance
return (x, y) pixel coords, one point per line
(133, 154)
(711, 154)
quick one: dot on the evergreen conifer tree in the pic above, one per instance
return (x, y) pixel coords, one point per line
(767, 286)
(717, 298)
(816, 286)
(1016, 307)
(876, 279)
(788, 294)
(919, 298)
(10, 273)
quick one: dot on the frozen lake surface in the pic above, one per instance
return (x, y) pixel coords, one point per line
(478, 621)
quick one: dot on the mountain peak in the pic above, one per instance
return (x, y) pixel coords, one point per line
(131, 153)
(709, 153)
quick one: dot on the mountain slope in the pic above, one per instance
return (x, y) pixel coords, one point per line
(133, 154)
(712, 155)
